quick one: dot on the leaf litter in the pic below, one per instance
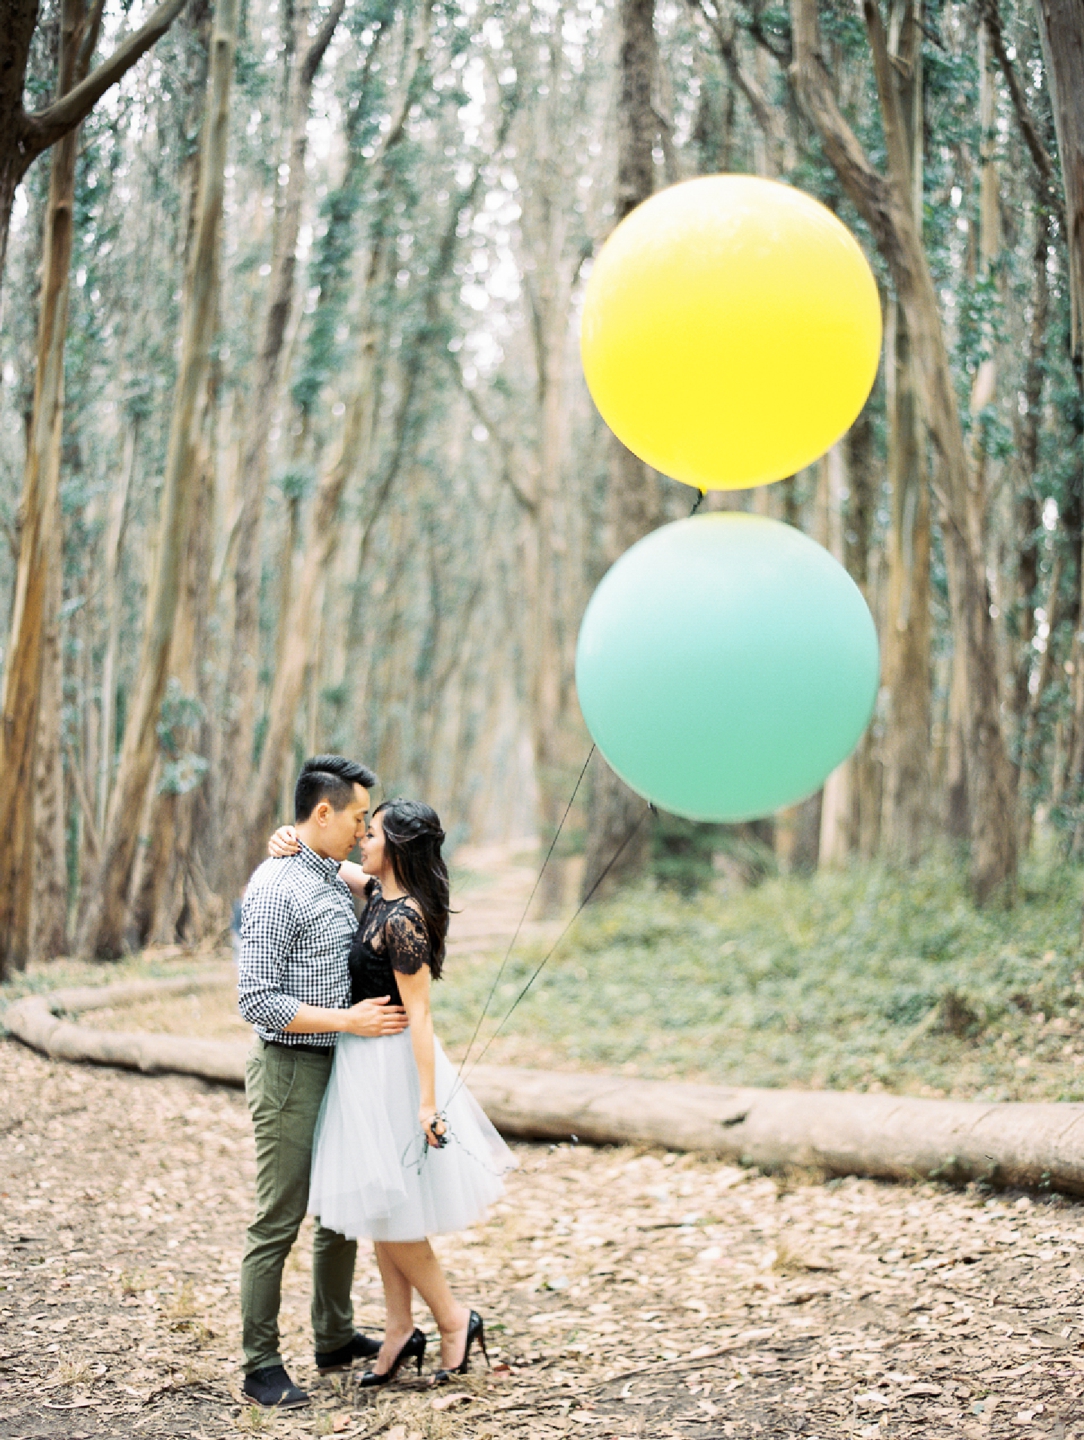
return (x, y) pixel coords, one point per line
(626, 1293)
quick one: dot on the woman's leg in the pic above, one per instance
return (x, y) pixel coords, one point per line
(415, 1262)
(398, 1297)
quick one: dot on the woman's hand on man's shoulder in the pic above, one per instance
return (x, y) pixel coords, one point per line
(283, 843)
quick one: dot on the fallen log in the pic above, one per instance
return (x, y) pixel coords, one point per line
(38, 1021)
(896, 1137)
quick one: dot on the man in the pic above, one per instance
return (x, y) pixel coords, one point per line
(297, 925)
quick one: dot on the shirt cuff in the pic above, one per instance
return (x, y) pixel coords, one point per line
(271, 1010)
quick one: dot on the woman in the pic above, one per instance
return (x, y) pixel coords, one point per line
(402, 1150)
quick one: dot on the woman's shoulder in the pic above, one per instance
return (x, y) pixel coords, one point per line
(408, 938)
(408, 902)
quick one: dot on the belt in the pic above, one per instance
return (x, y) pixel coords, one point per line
(308, 1049)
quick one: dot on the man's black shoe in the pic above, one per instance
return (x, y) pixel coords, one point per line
(271, 1387)
(359, 1348)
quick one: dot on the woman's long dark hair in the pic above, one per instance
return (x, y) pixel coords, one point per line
(412, 841)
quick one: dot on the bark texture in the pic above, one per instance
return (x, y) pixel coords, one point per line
(24, 136)
(281, 288)
(36, 581)
(633, 500)
(1061, 25)
(885, 203)
(102, 931)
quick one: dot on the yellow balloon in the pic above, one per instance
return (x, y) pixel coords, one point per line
(731, 331)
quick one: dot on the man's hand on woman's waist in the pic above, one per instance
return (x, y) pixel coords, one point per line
(367, 1017)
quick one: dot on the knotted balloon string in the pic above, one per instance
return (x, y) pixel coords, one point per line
(416, 1152)
(697, 502)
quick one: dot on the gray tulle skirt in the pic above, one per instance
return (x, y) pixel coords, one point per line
(373, 1177)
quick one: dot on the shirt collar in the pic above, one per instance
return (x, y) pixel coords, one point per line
(324, 866)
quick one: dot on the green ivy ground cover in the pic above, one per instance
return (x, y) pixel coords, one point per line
(869, 978)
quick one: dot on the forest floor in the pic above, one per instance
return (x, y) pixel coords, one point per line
(626, 1293)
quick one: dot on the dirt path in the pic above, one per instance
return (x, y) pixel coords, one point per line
(626, 1294)
(635, 1295)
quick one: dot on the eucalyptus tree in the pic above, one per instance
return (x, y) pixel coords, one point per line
(1062, 27)
(380, 399)
(103, 923)
(36, 606)
(633, 490)
(304, 55)
(24, 135)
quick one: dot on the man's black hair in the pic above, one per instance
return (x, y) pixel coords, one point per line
(331, 778)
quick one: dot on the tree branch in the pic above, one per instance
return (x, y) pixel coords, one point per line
(321, 40)
(763, 112)
(1048, 187)
(45, 127)
(406, 91)
(88, 40)
(509, 458)
(865, 186)
(895, 128)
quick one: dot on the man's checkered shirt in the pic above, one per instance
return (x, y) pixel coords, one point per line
(297, 925)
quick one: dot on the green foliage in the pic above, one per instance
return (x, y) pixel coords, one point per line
(868, 977)
(181, 768)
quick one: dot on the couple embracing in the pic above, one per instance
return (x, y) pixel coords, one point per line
(359, 1116)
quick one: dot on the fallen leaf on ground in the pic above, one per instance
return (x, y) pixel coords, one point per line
(449, 1402)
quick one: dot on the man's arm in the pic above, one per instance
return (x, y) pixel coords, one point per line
(269, 929)
(367, 1017)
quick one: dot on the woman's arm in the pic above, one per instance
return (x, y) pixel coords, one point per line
(415, 992)
(356, 878)
(284, 843)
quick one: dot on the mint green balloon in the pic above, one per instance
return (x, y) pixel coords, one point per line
(726, 665)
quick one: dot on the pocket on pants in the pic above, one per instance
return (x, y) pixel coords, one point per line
(269, 1079)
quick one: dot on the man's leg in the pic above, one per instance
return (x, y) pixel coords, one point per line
(284, 1088)
(333, 1257)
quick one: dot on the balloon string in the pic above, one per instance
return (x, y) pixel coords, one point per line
(526, 909)
(697, 503)
(630, 833)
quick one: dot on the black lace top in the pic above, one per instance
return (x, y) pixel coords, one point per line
(391, 936)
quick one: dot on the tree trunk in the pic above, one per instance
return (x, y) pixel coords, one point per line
(546, 710)
(237, 756)
(886, 206)
(177, 903)
(1033, 1145)
(1061, 25)
(863, 480)
(906, 664)
(634, 506)
(114, 539)
(1027, 707)
(49, 901)
(102, 930)
(297, 655)
(907, 623)
(39, 554)
(837, 838)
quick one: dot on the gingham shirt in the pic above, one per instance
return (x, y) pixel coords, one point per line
(297, 925)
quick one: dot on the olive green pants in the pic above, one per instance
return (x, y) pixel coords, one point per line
(284, 1088)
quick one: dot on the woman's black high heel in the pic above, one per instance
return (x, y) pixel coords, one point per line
(414, 1347)
(476, 1330)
